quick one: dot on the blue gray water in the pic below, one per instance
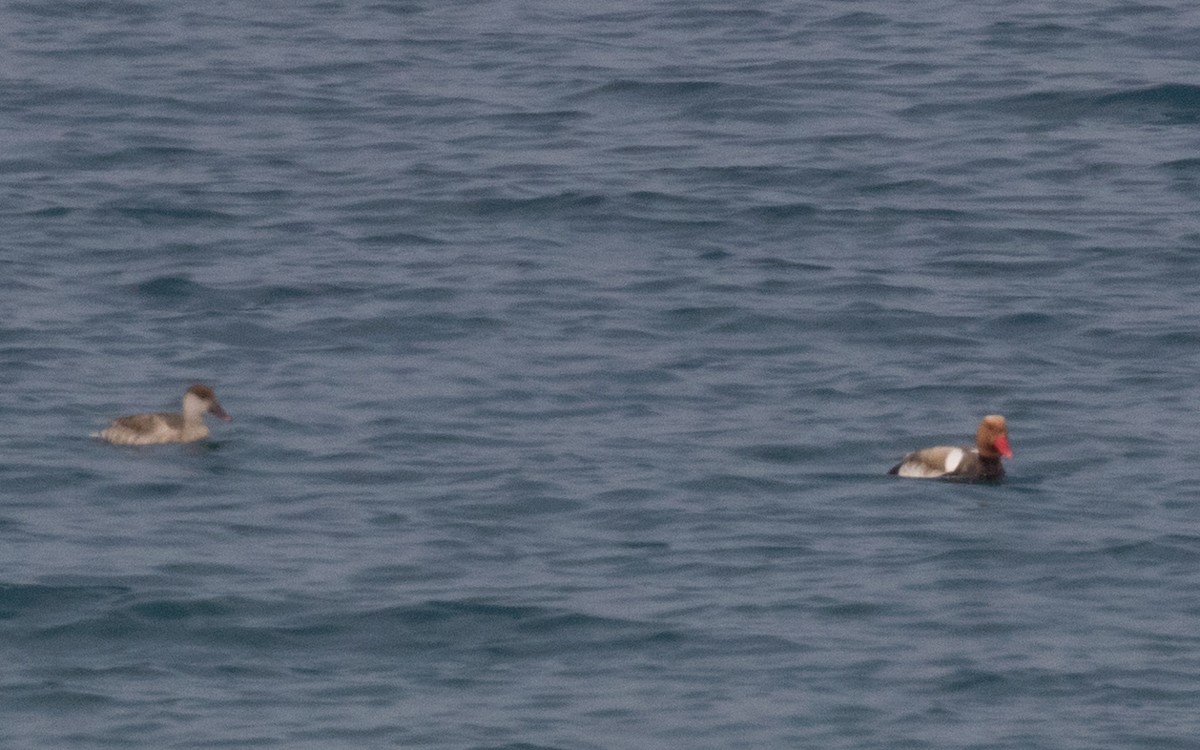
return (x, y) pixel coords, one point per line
(567, 345)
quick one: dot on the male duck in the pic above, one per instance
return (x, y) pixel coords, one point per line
(980, 462)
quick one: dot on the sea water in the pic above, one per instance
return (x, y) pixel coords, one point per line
(567, 346)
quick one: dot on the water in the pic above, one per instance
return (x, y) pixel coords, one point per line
(567, 347)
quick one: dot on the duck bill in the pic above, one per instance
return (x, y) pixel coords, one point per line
(216, 410)
(1001, 443)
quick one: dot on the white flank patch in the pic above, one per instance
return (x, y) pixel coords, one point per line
(918, 470)
(953, 459)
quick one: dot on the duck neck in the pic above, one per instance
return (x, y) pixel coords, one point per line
(990, 466)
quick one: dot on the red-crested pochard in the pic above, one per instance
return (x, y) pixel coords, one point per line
(161, 427)
(980, 462)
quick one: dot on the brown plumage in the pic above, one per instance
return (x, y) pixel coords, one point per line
(163, 427)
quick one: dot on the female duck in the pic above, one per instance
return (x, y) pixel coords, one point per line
(980, 462)
(161, 427)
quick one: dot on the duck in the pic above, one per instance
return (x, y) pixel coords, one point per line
(981, 462)
(163, 427)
